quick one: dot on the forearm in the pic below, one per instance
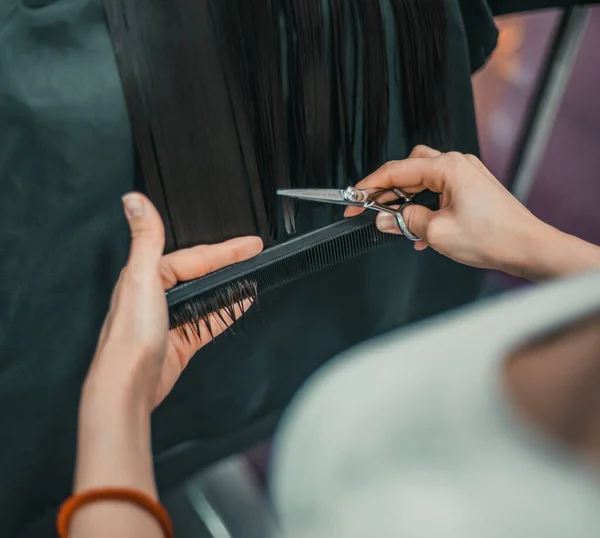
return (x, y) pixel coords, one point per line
(543, 252)
(114, 450)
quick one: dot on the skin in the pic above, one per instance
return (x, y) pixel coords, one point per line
(138, 360)
(479, 223)
(136, 364)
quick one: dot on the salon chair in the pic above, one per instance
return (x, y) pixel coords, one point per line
(223, 501)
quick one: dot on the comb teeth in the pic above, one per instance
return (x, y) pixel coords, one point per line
(192, 303)
(248, 284)
(219, 304)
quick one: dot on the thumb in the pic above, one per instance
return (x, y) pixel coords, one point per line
(416, 217)
(147, 233)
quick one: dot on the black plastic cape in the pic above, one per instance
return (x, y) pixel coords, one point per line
(66, 157)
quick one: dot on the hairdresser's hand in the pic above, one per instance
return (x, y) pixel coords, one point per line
(479, 223)
(136, 351)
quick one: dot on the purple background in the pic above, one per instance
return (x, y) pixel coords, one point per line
(567, 188)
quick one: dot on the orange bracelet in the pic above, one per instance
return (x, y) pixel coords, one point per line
(133, 496)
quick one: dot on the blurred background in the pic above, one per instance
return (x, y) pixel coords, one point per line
(563, 189)
(566, 186)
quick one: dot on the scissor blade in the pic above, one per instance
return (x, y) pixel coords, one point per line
(330, 196)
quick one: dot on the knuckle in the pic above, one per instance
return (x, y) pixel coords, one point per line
(410, 215)
(139, 232)
(149, 234)
(238, 254)
(167, 275)
(473, 159)
(149, 242)
(409, 219)
(419, 149)
(389, 166)
(385, 174)
(452, 164)
(454, 157)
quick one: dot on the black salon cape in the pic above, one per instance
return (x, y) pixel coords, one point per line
(66, 157)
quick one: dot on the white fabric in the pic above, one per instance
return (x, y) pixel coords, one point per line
(411, 436)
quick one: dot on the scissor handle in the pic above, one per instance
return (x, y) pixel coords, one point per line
(402, 224)
(399, 218)
(406, 198)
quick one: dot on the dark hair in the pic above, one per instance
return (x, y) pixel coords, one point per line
(231, 99)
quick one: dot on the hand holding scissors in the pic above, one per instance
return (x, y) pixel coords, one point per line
(479, 222)
(361, 198)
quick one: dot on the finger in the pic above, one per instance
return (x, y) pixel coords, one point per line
(195, 262)
(147, 235)
(383, 197)
(196, 339)
(424, 151)
(420, 151)
(411, 175)
(353, 211)
(393, 174)
(416, 217)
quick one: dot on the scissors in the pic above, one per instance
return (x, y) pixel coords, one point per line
(357, 198)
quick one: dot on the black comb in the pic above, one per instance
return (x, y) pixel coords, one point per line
(307, 254)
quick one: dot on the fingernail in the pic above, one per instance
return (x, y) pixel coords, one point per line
(134, 205)
(387, 223)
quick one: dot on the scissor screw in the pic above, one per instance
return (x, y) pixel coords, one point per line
(351, 194)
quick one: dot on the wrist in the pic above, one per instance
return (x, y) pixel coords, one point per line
(113, 450)
(542, 252)
(102, 401)
(524, 248)
(114, 442)
(531, 250)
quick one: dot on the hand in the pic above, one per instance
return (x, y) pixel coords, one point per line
(479, 222)
(136, 351)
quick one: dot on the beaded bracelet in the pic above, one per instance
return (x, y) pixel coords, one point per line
(133, 496)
